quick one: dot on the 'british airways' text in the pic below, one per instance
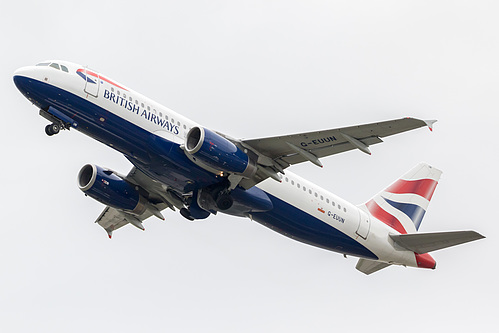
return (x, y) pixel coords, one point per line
(130, 106)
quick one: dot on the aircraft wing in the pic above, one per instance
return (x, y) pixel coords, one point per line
(333, 141)
(279, 152)
(111, 219)
(157, 200)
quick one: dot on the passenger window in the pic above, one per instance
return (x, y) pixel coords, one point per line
(309, 191)
(322, 198)
(292, 182)
(137, 102)
(298, 185)
(185, 127)
(334, 204)
(173, 121)
(118, 92)
(327, 200)
(142, 104)
(124, 95)
(64, 69)
(130, 99)
(54, 65)
(339, 207)
(161, 114)
(287, 180)
(344, 209)
(316, 194)
(304, 188)
(178, 123)
(112, 89)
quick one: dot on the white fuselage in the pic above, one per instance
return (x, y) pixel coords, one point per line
(353, 221)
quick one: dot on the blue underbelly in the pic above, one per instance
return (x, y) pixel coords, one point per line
(294, 223)
(161, 159)
(164, 161)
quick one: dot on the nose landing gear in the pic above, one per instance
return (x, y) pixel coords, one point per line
(52, 129)
(59, 121)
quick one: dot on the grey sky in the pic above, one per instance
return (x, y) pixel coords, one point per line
(253, 69)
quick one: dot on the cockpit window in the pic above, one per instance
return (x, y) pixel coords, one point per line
(54, 65)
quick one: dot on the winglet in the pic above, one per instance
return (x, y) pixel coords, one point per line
(430, 123)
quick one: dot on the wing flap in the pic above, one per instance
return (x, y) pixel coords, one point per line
(111, 219)
(427, 242)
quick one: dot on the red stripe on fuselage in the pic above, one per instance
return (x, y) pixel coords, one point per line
(103, 78)
(422, 187)
(385, 217)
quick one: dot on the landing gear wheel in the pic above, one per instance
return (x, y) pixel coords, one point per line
(185, 213)
(52, 129)
(224, 201)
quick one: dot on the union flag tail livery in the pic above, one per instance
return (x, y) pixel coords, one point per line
(403, 204)
(181, 165)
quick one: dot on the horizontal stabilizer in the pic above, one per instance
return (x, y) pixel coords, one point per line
(427, 242)
(367, 266)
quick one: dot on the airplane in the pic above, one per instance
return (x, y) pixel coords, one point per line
(181, 165)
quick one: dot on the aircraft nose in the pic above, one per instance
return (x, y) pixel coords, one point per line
(23, 71)
(22, 78)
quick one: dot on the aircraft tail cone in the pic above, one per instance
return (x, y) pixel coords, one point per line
(425, 261)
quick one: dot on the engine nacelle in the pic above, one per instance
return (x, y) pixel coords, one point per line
(216, 154)
(109, 189)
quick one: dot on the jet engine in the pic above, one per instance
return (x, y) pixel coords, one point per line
(215, 153)
(106, 187)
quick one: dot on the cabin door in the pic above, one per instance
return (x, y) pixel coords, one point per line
(364, 225)
(92, 83)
